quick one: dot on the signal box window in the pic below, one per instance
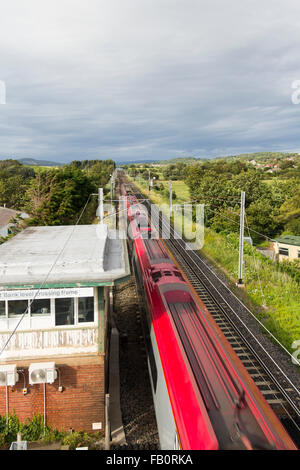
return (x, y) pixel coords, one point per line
(64, 311)
(17, 307)
(2, 308)
(40, 307)
(85, 309)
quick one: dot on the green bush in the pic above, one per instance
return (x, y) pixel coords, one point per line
(32, 430)
(2, 440)
(77, 439)
(291, 268)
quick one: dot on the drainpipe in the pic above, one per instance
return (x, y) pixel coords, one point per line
(6, 405)
(44, 408)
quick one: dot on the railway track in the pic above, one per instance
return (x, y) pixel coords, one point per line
(277, 388)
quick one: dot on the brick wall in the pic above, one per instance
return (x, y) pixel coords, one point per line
(78, 406)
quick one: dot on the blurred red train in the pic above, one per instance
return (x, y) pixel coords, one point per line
(203, 396)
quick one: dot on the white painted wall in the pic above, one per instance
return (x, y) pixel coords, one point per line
(58, 341)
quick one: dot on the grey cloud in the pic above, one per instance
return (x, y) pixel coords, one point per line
(143, 79)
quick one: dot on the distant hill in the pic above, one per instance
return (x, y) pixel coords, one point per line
(33, 161)
(137, 162)
(181, 160)
(161, 162)
(260, 157)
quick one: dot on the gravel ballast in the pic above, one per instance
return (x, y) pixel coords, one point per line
(136, 397)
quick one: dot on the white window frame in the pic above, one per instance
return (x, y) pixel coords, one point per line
(51, 315)
(76, 323)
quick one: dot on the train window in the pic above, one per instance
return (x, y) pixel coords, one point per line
(167, 273)
(151, 357)
(156, 276)
(152, 364)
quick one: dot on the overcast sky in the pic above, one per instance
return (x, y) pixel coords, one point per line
(148, 79)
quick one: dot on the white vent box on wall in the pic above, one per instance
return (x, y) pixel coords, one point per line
(8, 375)
(42, 372)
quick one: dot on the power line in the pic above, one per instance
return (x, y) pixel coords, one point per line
(220, 198)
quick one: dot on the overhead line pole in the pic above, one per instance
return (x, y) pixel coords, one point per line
(111, 191)
(171, 199)
(101, 207)
(241, 253)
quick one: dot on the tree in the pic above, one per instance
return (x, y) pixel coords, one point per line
(12, 191)
(261, 217)
(14, 181)
(56, 197)
(289, 214)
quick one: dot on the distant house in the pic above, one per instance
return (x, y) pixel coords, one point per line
(287, 247)
(5, 216)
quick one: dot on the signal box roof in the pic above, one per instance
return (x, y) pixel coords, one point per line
(79, 255)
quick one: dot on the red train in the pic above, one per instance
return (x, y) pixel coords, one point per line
(203, 396)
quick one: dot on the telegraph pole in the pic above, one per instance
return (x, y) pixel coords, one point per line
(111, 191)
(150, 184)
(242, 221)
(171, 199)
(101, 207)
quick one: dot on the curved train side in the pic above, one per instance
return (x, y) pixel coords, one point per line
(203, 396)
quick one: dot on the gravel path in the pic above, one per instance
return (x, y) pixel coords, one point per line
(136, 398)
